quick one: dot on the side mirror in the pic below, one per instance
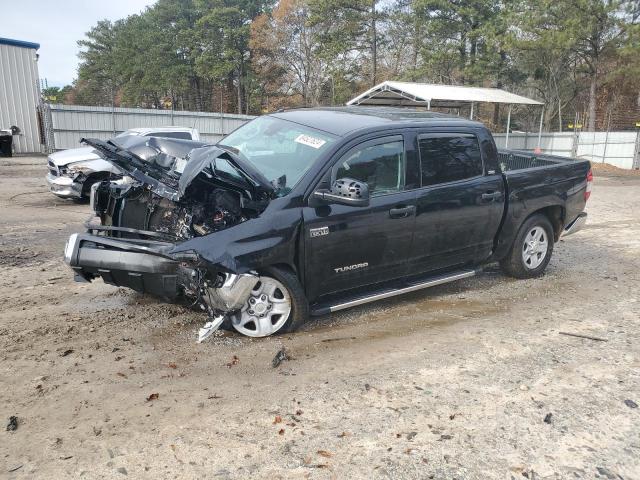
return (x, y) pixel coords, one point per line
(345, 191)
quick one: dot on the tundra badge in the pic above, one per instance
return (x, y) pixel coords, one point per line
(348, 268)
(319, 232)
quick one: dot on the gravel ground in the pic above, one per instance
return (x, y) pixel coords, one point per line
(471, 380)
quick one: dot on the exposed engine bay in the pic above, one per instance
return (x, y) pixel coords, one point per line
(135, 207)
(176, 190)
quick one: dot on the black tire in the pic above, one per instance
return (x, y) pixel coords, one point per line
(514, 264)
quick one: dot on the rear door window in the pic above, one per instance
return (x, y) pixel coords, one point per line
(449, 157)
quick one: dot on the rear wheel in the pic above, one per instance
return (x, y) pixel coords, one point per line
(531, 249)
(277, 304)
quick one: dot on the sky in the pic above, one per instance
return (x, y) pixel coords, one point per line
(57, 25)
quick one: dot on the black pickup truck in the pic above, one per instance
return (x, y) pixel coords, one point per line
(316, 210)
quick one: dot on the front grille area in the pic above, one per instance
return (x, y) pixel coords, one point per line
(53, 170)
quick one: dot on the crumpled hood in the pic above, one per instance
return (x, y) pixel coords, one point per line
(65, 157)
(168, 166)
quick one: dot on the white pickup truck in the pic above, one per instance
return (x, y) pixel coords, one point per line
(72, 172)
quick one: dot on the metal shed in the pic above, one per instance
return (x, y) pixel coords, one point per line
(20, 92)
(405, 94)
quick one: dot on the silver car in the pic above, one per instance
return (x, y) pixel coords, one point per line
(72, 172)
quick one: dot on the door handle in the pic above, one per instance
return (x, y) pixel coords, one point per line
(401, 212)
(491, 195)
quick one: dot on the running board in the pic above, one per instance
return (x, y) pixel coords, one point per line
(432, 282)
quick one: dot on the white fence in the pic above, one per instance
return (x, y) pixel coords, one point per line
(621, 149)
(65, 125)
(69, 123)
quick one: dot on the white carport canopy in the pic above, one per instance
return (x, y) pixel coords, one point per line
(405, 94)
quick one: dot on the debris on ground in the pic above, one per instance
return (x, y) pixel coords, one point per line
(278, 419)
(210, 328)
(547, 418)
(606, 473)
(588, 337)
(234, 361)
(631, 404)
(280, 357)
(67, 352)
(14, 469)
(12, 426)
(327, 340)
(325, 454)
(153, 396)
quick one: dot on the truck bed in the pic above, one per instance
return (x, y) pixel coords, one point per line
(511, 160)
(535, 182)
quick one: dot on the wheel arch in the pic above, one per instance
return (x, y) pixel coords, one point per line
(283, 266)
(555, 214)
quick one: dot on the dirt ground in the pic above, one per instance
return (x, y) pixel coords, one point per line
(454, 382)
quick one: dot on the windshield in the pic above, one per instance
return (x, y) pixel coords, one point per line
(281, 150)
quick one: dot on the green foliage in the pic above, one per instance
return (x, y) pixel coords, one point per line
(251, 55)
(56, 94)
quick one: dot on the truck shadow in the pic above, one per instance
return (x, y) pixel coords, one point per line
(574, 260)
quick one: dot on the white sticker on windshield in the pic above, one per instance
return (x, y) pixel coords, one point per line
(310, 141)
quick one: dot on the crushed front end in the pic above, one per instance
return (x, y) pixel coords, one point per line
(170, 194)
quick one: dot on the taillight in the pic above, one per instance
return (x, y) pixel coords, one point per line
(587, 192)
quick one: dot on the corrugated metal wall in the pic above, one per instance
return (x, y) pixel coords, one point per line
(72, 122)
(621, 149)
(554, 143)
(19, 95)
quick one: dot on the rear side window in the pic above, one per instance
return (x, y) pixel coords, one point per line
(449, 157)
(181, 135)
(381, 166)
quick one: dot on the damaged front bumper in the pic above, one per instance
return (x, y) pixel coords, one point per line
(147, 266)
(143, 266)
(64, 187)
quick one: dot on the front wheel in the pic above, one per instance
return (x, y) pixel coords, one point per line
(277, 304)
(531, 249)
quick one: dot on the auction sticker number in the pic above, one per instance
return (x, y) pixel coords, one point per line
(310, 141)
